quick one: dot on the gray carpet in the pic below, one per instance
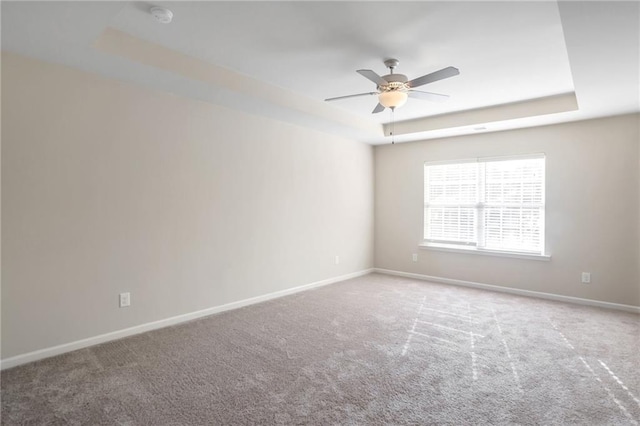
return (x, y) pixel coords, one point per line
(372, 350)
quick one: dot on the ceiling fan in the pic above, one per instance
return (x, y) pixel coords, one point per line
(394, 89)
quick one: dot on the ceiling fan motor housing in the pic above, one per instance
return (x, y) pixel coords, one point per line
(395, 82)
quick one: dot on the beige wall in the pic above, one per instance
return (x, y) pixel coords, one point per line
(592, 209)
(109, 188)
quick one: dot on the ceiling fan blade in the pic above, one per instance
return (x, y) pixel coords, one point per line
(351, 96)
(378, 108)
(371, 75)
(434, 76)
(429, 96)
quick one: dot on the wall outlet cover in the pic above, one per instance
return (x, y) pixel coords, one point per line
(125, 300)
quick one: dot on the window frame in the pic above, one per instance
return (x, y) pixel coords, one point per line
(479, 208)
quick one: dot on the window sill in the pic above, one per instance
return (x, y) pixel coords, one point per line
(473, 250)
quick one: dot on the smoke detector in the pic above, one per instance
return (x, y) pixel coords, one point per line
(162, 15)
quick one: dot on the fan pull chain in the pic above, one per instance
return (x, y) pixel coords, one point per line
(393, 126)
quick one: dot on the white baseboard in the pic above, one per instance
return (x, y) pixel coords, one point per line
(119, 334)
(519, 292)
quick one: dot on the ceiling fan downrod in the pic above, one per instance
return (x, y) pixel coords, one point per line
(391, 64)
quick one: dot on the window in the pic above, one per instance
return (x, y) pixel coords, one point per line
(486, 204)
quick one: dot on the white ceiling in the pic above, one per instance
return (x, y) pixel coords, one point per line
(281, 59)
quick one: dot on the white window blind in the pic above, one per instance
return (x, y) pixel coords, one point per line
(487, 204)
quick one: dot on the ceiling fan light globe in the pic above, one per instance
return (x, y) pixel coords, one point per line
(392, 99)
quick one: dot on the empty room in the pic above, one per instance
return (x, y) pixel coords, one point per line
(322, 213)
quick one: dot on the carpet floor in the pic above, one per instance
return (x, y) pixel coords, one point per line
(367, 351)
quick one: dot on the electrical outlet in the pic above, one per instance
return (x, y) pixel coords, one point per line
(337, 260)
(125, 300)
(586, 277)
(414, 256)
